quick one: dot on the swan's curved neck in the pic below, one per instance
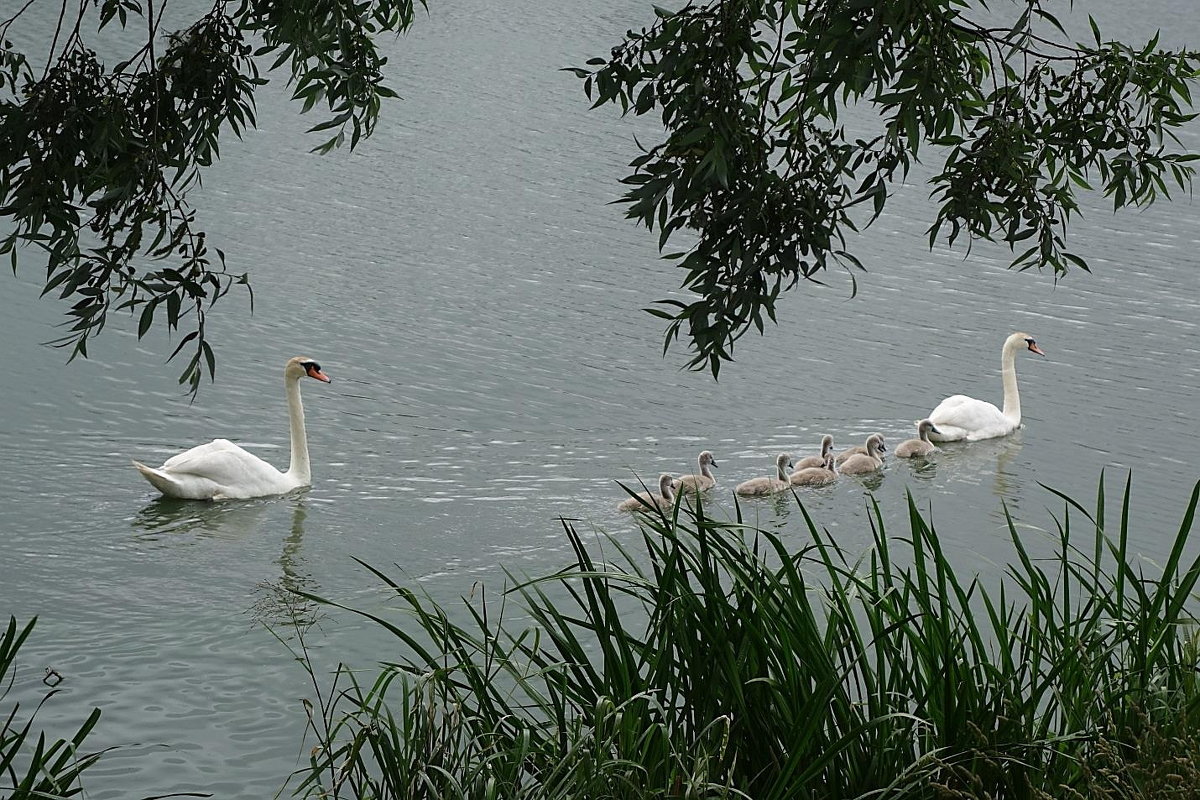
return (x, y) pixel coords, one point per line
(781, 469)
(299, 469)
(706, 469)
(1008, 369)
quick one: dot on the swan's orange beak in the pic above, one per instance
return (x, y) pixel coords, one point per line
(313, 372)
(1033, 346)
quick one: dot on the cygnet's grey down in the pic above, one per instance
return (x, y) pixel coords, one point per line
(756, 487)
(871, 461)
(703, 479)
(858, 449)
(648, 501)
(921, 446)
(815, 476)
(817, 461)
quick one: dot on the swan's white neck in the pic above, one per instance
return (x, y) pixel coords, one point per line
(1008, 369)
(706, 469)
(299, 470)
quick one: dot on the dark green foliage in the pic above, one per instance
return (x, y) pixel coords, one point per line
(33, 768)
(758, 165)
(96, 160)
(718, 661)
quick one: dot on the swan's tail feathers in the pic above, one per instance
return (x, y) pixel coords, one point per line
(159, 480)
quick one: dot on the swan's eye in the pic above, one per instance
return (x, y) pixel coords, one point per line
(1031, 342)
(309, 366)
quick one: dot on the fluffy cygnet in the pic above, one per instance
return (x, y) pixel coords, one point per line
(757, 487)
(858, 449)
(703, 479)
(815, 476)
(921, 446)
(648, 501)
(871, 461)
(817, 461)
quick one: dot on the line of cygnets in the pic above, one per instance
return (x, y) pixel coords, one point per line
(957, 418)
(819, 470)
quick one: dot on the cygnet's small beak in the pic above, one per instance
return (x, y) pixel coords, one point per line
(713, 464)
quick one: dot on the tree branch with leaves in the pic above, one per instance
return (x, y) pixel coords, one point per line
(758, 167)
(96, 161)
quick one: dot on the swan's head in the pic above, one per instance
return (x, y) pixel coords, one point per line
(707, 458)
(1018, 340)
(829, 462)
(784, 461)
(300, 366)
(926, 427)
(826, 444)
(875, 443)
(665, 484)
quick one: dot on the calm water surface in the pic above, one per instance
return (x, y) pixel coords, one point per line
(478, 306)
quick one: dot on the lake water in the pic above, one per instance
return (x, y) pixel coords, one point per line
(477, 303)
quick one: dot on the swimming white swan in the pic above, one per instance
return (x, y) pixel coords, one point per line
(815, 476)
(817, 461)
(220, 470)
(921, 446)
(703, 479)
(766, 485)
(648, 501)
(860, 464)
(961, 417)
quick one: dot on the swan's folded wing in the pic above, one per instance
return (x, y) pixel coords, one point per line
(962, 417)
(225, 464)
(198, 453)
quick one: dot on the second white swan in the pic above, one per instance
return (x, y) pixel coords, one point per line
(220, 470)
(960, 417)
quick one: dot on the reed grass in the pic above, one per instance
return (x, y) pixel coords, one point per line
(715, 661)
(32, 766)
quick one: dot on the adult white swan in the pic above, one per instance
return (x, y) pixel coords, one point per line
(220, 470)
(961, 417)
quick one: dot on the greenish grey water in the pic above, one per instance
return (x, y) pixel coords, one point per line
(478, 305)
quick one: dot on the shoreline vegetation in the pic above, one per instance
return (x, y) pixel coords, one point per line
(711, 659)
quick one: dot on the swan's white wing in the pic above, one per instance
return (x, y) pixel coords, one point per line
(221, 469)
(198, 453)
(962, 417)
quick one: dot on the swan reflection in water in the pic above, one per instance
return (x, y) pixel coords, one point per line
(978, 462)
(167, 522)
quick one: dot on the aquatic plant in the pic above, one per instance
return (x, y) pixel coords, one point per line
(718, 660)
(35, 768)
